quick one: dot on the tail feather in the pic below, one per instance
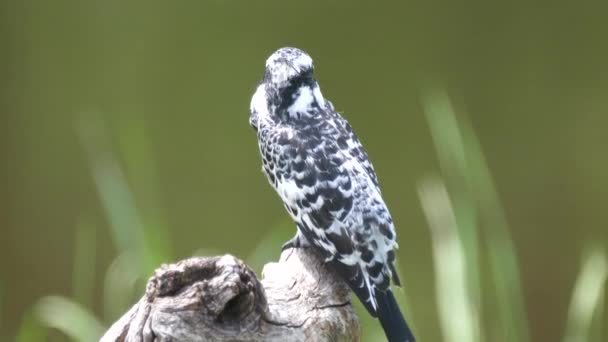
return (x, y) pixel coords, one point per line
(384, 307)
(391, 319)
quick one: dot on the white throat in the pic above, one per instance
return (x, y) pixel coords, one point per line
(305, 101)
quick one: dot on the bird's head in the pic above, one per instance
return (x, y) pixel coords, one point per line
(288, 65)
(288, 88)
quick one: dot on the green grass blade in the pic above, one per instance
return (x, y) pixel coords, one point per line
(449, 143)
(120, 285)
(113, 189)
(459, 316)
(69, 317)
(140, 164)
(30, 329)
(587, 296)
(502, 255)
(269, 247)
(474, 197)
(83, 274)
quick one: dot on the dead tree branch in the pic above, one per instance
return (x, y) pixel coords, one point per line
(220, 299)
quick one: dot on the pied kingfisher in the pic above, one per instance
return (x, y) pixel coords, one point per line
(319, 168)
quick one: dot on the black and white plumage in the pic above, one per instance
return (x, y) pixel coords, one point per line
(319, 168)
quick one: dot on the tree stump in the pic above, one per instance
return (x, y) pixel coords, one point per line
(220, 299)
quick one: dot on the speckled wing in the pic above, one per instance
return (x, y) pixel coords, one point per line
(350, 143)
(320, 184)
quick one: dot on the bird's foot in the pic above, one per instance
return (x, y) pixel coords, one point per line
(295, 242)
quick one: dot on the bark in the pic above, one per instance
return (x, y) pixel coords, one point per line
(220, 299)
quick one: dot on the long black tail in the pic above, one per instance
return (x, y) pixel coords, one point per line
(391, 319)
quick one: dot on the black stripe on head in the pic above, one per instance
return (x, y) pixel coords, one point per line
(283, 97)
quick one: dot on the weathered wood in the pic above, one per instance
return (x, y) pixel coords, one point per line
(220, 299)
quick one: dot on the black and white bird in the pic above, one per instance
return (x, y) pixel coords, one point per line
(319, 168)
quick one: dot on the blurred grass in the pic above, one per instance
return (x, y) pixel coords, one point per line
(128, 229)
(500, 248)
(30, 329)
(142, 245)
(453, 160)
(458, 313)
(462, 208)
(588, 296)
(69, 317)
(140, 164)
(457, 212)
(473, 196)
(83, 275)
(269, 246)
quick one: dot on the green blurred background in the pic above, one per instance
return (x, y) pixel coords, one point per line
(124, 143)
